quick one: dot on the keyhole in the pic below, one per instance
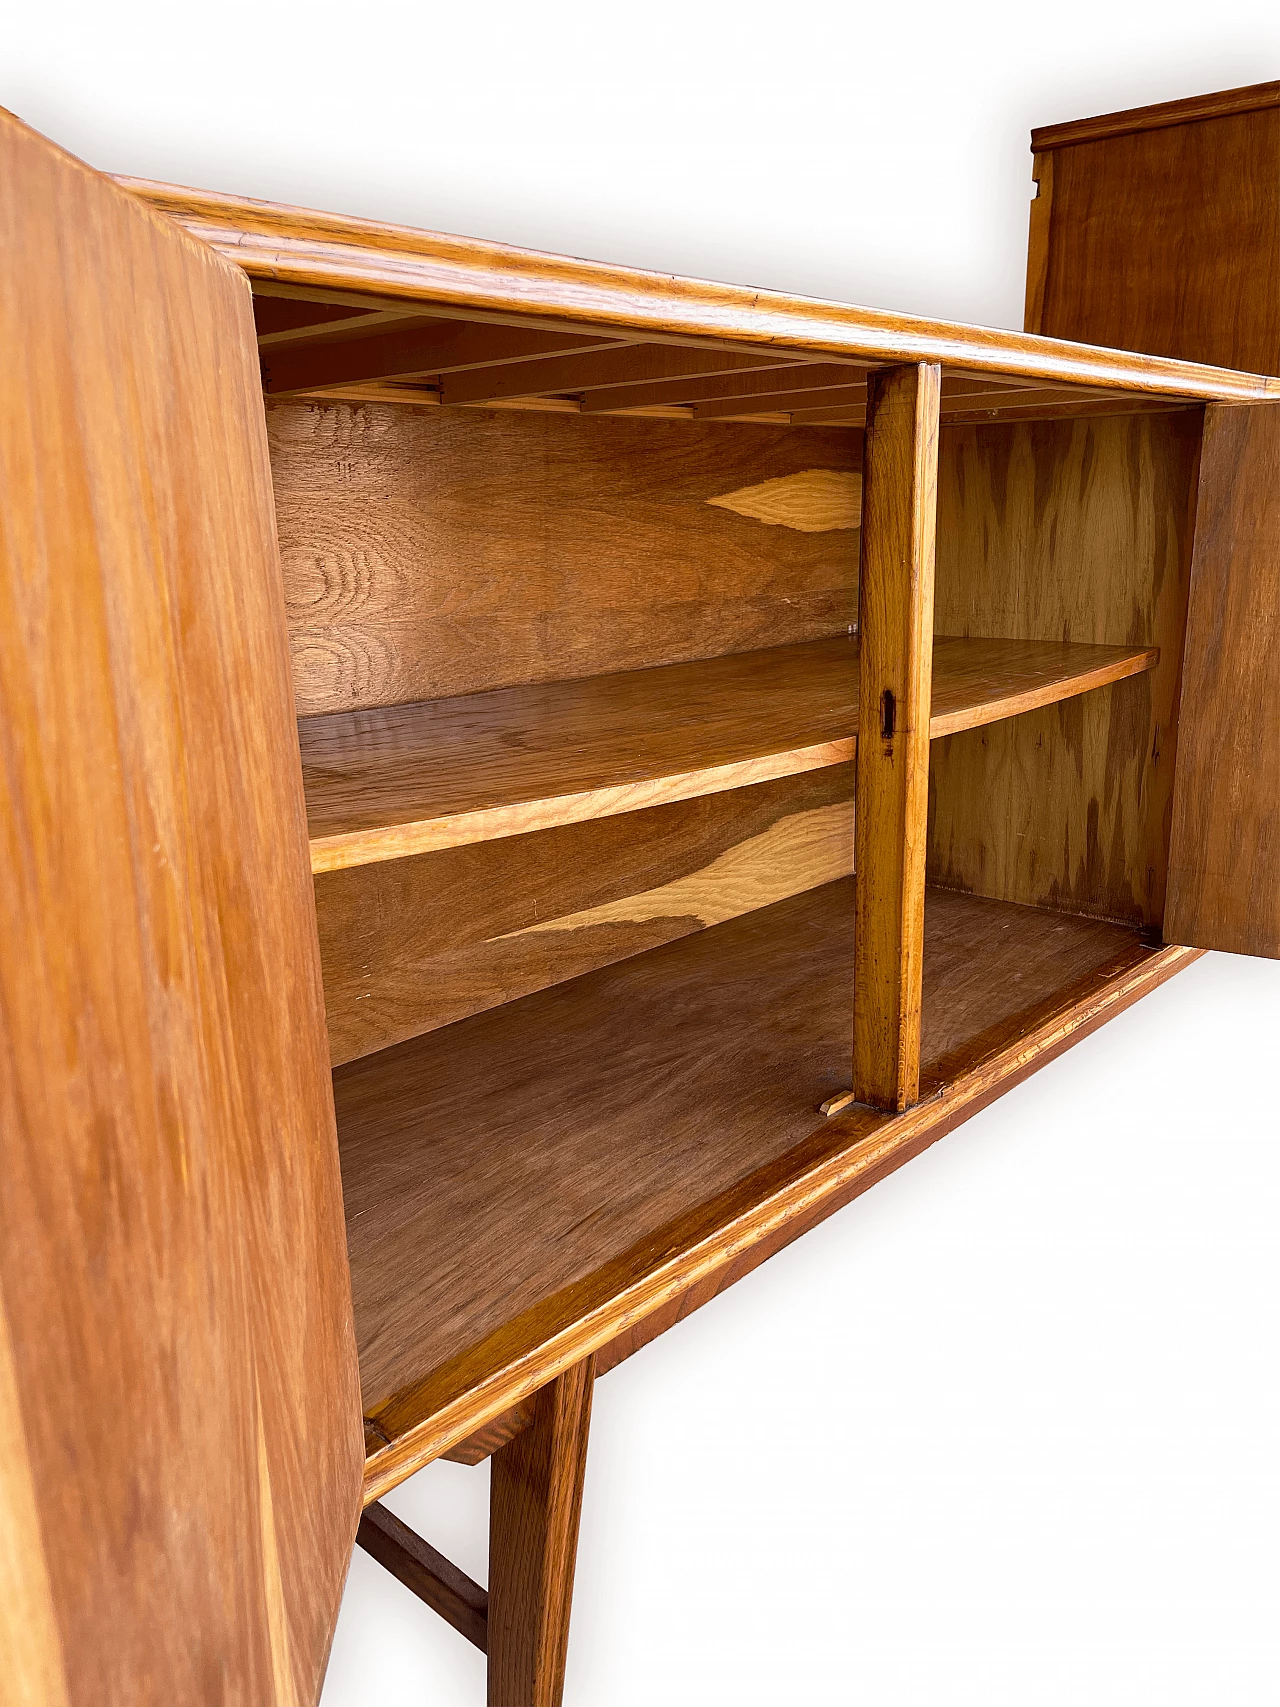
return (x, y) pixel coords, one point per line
(887, 709)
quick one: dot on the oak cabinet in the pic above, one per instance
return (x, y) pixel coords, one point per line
(528, 785)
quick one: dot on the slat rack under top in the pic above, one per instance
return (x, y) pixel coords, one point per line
(408, 779)
(361, 310)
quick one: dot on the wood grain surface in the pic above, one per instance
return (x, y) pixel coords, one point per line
(535, 1501)
(431, 553)
(742, 385)
(728, 1234)
(780, 394)
(895, 624)
(1193, 109)
(281, 318)
(484, 1442)
(819, 500)
(403, 780)
(1224, 858)
(502, 1162)
(596, 369)
(410, 945)
(377, 265)
(1038, 227)
(1167, 239)
(425, 1572)
(1077, 531)
(414, 347)
(1031, 1040)
(180, 1448)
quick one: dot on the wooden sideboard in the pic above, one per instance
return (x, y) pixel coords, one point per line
(440, 949)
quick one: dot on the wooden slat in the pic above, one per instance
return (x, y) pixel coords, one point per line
(1061, 407)
(418, 308)
(596, 369)
(1027, 406)
(799, 376)
(1224, 851)
(298, 247)
(641, 1127)
(895, 614)
(369, 322)
(854, 419)
(430, 347)
(278, 317)
(426, 1573)
(444, 773)
(535, 1502)
(828, 387)
(843, 393)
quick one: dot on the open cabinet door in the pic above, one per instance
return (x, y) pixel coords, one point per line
(180, 1439)
(1224, 852)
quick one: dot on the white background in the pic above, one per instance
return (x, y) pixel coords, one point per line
(1004, 1431)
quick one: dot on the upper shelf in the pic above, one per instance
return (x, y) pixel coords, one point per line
(409, 779)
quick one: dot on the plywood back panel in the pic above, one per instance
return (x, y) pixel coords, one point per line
(442, 551)
(1066, 530)
(410, 945)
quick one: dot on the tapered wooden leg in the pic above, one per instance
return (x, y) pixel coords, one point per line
(534, 1504)
(895, 615)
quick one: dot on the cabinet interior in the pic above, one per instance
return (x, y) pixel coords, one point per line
(578, 708)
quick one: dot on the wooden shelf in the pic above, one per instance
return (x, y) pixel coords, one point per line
(408, 779)
(518, 1173)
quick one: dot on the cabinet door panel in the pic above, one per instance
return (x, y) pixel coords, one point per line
(1224, 855)
(180, 1441)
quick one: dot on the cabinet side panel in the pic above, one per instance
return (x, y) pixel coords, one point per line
(1224, 877)
(409, 945)
(1066, 530)
(430, 552)
(173, 1270)
(1168, 241)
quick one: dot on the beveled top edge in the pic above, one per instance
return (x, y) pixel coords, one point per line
(307, 249)
(1224, 103)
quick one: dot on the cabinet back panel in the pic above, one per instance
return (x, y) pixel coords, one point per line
(1066, 530)
(412, 944)
(438, 551)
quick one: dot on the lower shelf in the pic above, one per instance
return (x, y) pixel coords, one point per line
(516, 1181)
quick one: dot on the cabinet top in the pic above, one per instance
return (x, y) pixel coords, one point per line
(1224, 103)
(394, 271)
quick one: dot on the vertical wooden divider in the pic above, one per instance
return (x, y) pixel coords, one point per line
(535, 1499)
(895, 613)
